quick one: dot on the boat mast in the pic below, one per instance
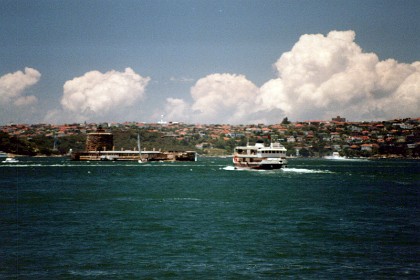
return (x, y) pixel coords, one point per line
(55, 142)
(138, 145)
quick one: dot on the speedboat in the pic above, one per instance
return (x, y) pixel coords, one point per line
(10, 160)
(335, 156)
(3, 155)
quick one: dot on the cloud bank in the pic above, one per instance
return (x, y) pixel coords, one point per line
(319, 78)
(13, 86)
(96, 94)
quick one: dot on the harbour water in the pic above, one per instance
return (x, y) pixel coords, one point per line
(316, 219)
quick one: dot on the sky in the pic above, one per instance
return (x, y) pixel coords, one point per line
(208, 62)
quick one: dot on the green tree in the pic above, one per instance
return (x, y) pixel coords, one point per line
(15, 145)
(304, 152)
(285, 121)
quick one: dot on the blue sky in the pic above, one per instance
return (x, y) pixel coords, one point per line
(203, 61)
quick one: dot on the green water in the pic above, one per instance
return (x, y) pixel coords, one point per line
(317, 219)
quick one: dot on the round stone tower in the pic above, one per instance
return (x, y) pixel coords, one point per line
(99, 141)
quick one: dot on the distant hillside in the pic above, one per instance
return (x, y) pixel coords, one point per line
(394, 138)
(15, 145)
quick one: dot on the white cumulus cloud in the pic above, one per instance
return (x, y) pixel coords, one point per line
(323, 76)
(223, 98)
(13, 86)
(319, 78)
(97, 94)
(217, 98)
(177, 110)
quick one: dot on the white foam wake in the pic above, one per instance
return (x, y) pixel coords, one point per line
(291, 170)
(304, 170)
(229, 168)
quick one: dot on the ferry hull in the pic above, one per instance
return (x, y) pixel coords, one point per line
(260, 166)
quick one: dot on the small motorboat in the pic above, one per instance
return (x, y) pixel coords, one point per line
(10, 160)
(335, 156)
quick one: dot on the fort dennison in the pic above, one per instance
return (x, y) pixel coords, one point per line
(100, 146)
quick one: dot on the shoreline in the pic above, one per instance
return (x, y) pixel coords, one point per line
(375, 157)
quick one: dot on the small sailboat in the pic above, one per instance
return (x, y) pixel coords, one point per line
(139, 148)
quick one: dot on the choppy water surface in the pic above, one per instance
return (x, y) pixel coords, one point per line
(119, 220)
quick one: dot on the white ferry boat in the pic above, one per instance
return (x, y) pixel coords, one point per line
(260, 156)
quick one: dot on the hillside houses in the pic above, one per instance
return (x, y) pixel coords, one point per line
(312, 138)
